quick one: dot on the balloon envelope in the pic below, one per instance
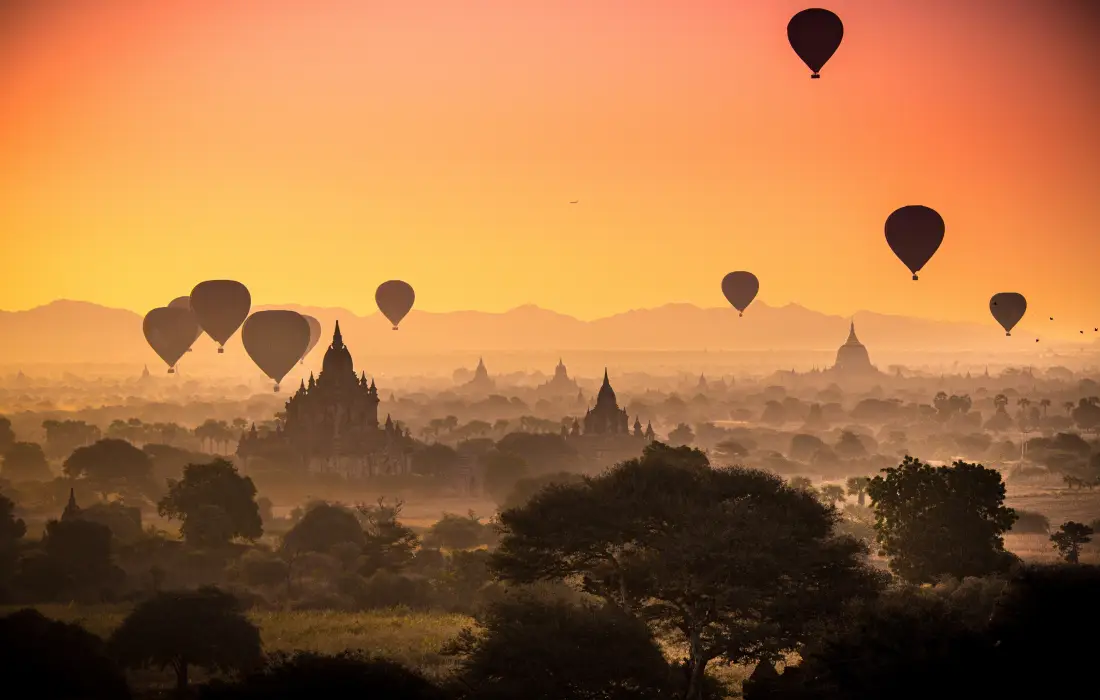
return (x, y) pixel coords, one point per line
(314, 334)
(276, 341)
(1008, 308)
(221, 306)
(914, 233)
(740, 288)
(815, 35)
(170, 332)
(395, 299)
(185, 303)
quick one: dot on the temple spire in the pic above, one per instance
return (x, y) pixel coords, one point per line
(606, 381)
(337, 338)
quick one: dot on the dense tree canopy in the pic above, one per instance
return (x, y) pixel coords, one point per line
(734, 561)
(214, 502)
(110, 466)
(324, 526)
(556, 650)
(24, 461)
(941, 521)
(178, 630)
(47, 659)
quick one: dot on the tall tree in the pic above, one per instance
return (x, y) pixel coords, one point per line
(7, 435)
(205, 628)
(857, 486)
(937, 521)
(25, 461)
(215, 503)
(721, 558)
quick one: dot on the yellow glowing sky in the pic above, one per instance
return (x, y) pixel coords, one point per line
(315, 148)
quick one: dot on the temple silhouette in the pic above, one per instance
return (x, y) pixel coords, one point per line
(331, 425)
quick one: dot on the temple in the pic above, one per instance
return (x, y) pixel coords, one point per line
(482, 383)
(560, 385)
(331, 424)
(606, 417)
(852, 357)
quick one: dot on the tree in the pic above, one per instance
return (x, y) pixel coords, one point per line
(849, 446)
(730, 449)
(803, 447)
(79, 553)
(348, 674)
(388, 544)
(110, 465)
(48, 659)
(555, 650)
(1087, 414)
(458, 532)
(11, 528)
(857, 486)
(909, 644)
(501, 471)
(7, 435)
(802, 483)
(435, 459)
(525, 489)
(722, 557)
(213, 493)
(62, 437)
(936, 521)
(324, 526)
(682, 434)
(25, 461)
(1069, 538)
(832, 494)
(205, 628)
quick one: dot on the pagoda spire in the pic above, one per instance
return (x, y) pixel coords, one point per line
(337, 337)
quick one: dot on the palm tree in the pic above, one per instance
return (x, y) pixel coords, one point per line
(999, 402)
(1068, 405)
(1044, 404)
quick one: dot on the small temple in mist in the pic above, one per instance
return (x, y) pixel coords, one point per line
(852, 358)
(481, 383)
(605, 430)
(561, 385)
(331, 424)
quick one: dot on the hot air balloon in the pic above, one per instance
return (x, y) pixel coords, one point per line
(314, 335)
(1008, 308)
(914, 233)
(395, 299)
(170, 332)
(740, 288)
(221, 306)
(276, 341)
(815, 35)
(184, 303)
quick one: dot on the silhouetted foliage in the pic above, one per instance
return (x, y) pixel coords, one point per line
(542, 452)
(555, 650)
(725, 557)
(1069, 538)
(459, 532)
(78, 554)
(215, 504)
(324, 526)
(310, 675)
(123, 521)
(501, 471)
(387, 543)
(25, 461)
(941, 521)
(525, 489)
(435, 459)
(11, 528)
(43, 658)
(7, 435)
(857, 486)
(904, 645)
(1030, 523)
(205, 628)
(110, 466)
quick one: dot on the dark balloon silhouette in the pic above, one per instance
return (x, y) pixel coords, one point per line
(185, 303)
(1008, 308)
(1051, 318)
(914, 233)
(276, 341)
(740, 288)
(815, 35)
(314, 335)
(395, 299)
(221, 307)
(170, 332)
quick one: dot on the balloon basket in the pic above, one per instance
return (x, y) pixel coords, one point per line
(221, 350)
(276, 388)
(190, 349)
(1007, 334)
(914, 278)
(740, 314)
(395, 327)
(171, 371)
(815, 76)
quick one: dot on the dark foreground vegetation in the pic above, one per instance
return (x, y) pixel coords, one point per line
(642, 582)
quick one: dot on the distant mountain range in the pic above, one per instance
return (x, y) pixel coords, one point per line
(68, 332)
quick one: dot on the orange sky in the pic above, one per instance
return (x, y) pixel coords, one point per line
(314, 148)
